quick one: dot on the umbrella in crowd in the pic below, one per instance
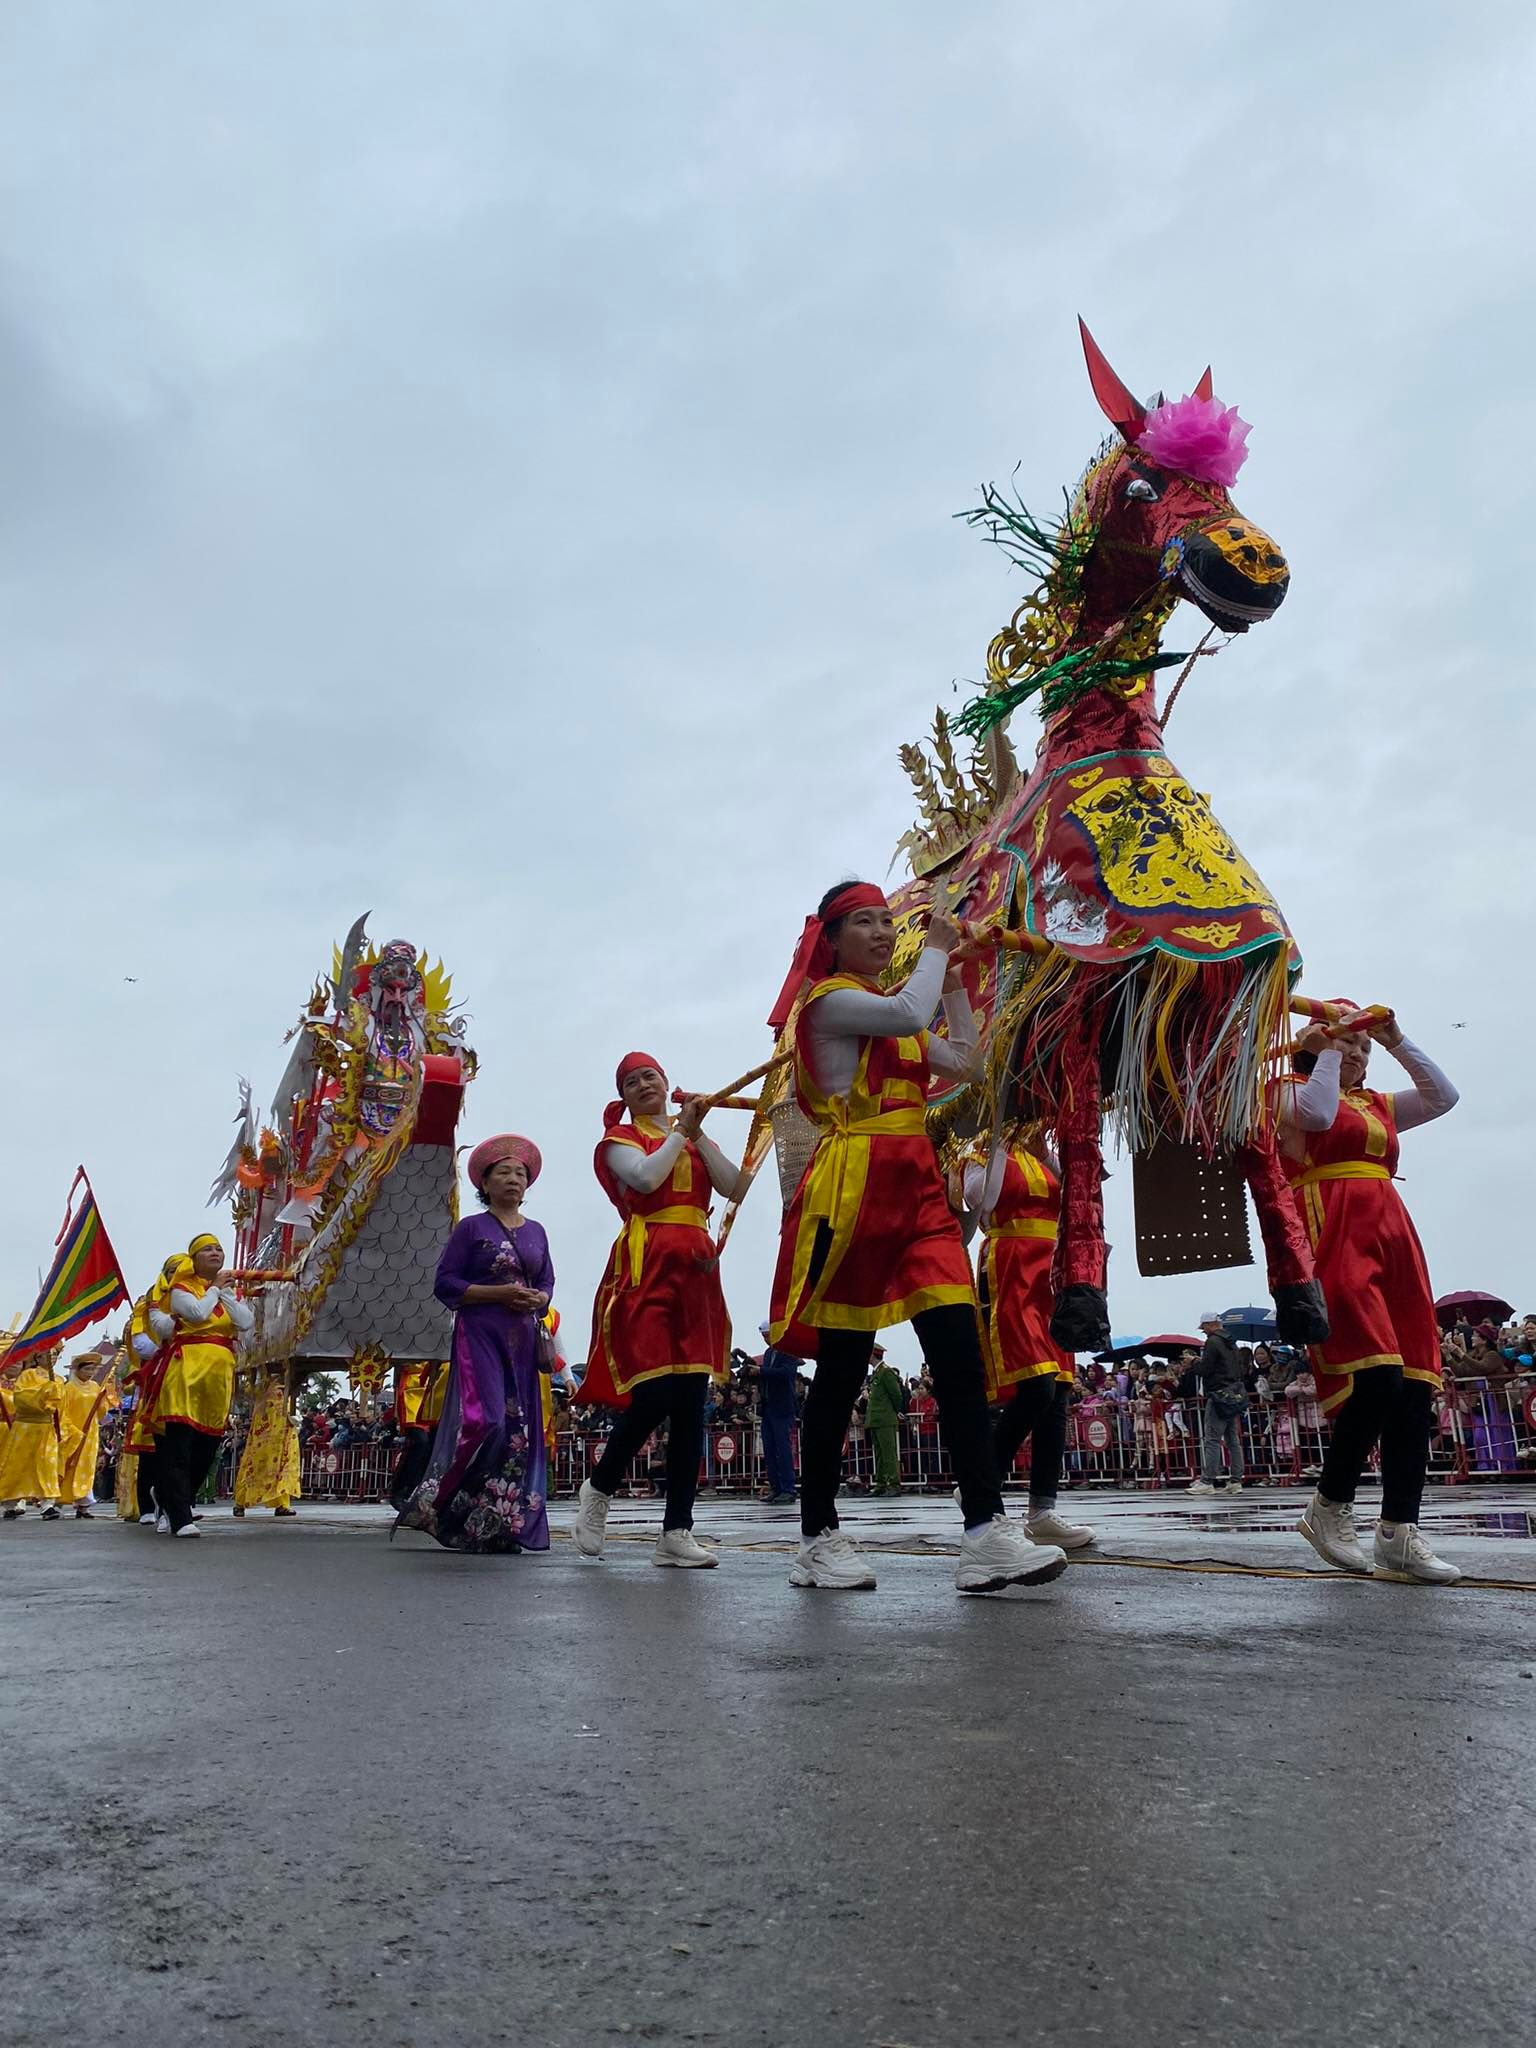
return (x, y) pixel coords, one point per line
(1146, 1347)
(1249, 1325)
(1471, 1307)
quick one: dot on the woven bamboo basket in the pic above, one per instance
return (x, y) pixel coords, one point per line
(794, 1140)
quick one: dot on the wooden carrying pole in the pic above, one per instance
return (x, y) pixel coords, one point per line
(1339, 1017)
(722, 1097)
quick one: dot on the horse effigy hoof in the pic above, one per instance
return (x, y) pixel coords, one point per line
(1301, 1315)
(1080, 1319)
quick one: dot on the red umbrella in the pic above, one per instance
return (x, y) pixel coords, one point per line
(1150, 1347)
(1471, 1307)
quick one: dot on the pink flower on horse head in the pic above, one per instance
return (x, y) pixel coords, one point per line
(1196, 437)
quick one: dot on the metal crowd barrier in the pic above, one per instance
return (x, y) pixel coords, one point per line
(358, 1472)
(1481, 1431)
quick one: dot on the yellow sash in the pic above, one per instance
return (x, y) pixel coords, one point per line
(1346, 1169)
(1026, 1226)
(840, 1132)
(633, 1235)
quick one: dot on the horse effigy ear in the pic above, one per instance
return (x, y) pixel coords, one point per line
(1205, 388)
(1120, 406)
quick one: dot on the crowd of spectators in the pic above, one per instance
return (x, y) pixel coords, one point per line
(344, 1425)
(1146, 1400)
(1489, 1352)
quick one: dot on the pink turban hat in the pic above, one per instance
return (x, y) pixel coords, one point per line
(491, 1151)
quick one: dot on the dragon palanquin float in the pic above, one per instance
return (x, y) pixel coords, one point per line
(343, 1199)
(1135, 968)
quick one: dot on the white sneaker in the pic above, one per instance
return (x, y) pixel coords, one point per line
(591, 1519)
(146, 1521)
(1329, 1526)
(1407, 1558)
(682, 1547)
(190, 1530)
(1201, 1489)
(1050, 1528)
(1002, 1555)
(162, 1525)
(831, 1560)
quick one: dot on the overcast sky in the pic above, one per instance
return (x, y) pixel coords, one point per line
(493, 466)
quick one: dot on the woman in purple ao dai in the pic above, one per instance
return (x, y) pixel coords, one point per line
(485, 1485)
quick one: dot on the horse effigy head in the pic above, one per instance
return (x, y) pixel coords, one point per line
(1150, 523)
(1157, 510)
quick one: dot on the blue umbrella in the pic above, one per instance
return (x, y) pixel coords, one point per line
(1252, 1325)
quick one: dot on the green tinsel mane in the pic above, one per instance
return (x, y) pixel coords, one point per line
(1033, 656)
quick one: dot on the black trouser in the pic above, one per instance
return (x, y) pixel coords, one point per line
(676, 1398)
(183, 1461)
(1038, 1411)
(411, 1466)
(1382, 1407)
(952, 1348)
(146, 1483)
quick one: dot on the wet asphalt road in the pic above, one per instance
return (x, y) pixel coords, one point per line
(295, 1786)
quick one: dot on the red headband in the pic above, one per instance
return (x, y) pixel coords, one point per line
(813, 956)
(632, 1063)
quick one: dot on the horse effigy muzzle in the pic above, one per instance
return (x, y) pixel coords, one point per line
(1301, 1315)
(1080, 1319)
(1236, 575)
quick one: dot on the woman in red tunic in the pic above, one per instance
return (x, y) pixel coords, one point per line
(869, 1238)
(1379, 1371)
(1016, 1194)
(659, 1327)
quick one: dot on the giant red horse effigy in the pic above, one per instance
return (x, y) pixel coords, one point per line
(1132, 966)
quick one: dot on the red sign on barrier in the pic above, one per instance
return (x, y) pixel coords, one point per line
(333, 1461)
(1096, 1434)
(725, 1449)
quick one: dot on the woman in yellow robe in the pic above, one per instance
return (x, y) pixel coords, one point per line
(29, 1467)
(192, 1405)
(136, 1453)
(268, 1475)
(83, 1400)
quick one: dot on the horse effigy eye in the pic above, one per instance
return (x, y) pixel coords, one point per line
(1141, 491)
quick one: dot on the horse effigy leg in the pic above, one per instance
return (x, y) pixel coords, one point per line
(1080, 1319)
(1301, 1315)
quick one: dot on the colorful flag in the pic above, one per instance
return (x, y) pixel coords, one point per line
(84, 1282)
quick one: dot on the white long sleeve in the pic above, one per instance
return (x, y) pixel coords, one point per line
(983, 1184)
(197, 1310)
(163, 1325)
(955, 1056)
(1312, 1105)
(1430, 1096)
(146, 1347)
(836, 1022)
(242, 1317)
(644, 1172)
(723, 1174)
